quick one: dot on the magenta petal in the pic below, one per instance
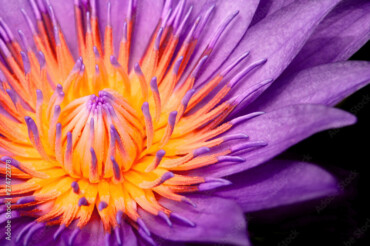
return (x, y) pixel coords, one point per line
(326, 84)
(278, 183)
(216, 220)
(280, 129)
(345, 30)
(279, 37)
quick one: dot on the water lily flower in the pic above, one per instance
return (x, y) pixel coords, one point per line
(146, 122)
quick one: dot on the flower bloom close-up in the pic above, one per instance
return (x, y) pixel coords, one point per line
(149, 122)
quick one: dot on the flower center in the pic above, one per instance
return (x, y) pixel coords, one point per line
(102, 137)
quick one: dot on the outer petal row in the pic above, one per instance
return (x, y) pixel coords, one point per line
(217, 220)
(277, 183)
(280, 36)
(326, 84)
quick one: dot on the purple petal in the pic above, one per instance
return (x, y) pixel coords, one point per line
(278, 183)
(125, 233)
(64, 11)
(147, 17)
(326, 84)
(228, 41)
(11, 14)
(223, 222)
(268, 7)
(280, 129)
(41, 237)
(279, 37)
(345, 30)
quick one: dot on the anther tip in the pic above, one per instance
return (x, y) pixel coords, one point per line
(161, 153)
(153, 82)
(201, 150)
(119, 215)
(167, 176)
(82, 202)
(113, 60)
(137, 69)
(102, 205)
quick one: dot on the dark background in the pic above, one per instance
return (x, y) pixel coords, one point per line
(345, 221)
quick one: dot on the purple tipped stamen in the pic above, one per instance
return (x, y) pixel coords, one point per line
(116, 169)
(230, 159)
(248, 145)
(234, 64)
(243, 118)
(26, 199)
(88, 22)
(153, 84)
(201, 151)
(29, 22)
(8, 31)
(41, 58)
(164, 216)
(35, 10)
(32, 231)
(221, 29)
(246, 71)
(82, 202)
(94, 161)
(61, 228)
(102, 205)
(204, 21)
(182, 219)
(235, 137)
(24, 40)
(138, 70)
(143, 226)
(109, 14)
(72, 238)
(199, 66)
(213, 183)
(172, 119)
(180, 28)
(177, 65)
(119, 215)
(75, 187)
(185, 100)
(157, 41)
